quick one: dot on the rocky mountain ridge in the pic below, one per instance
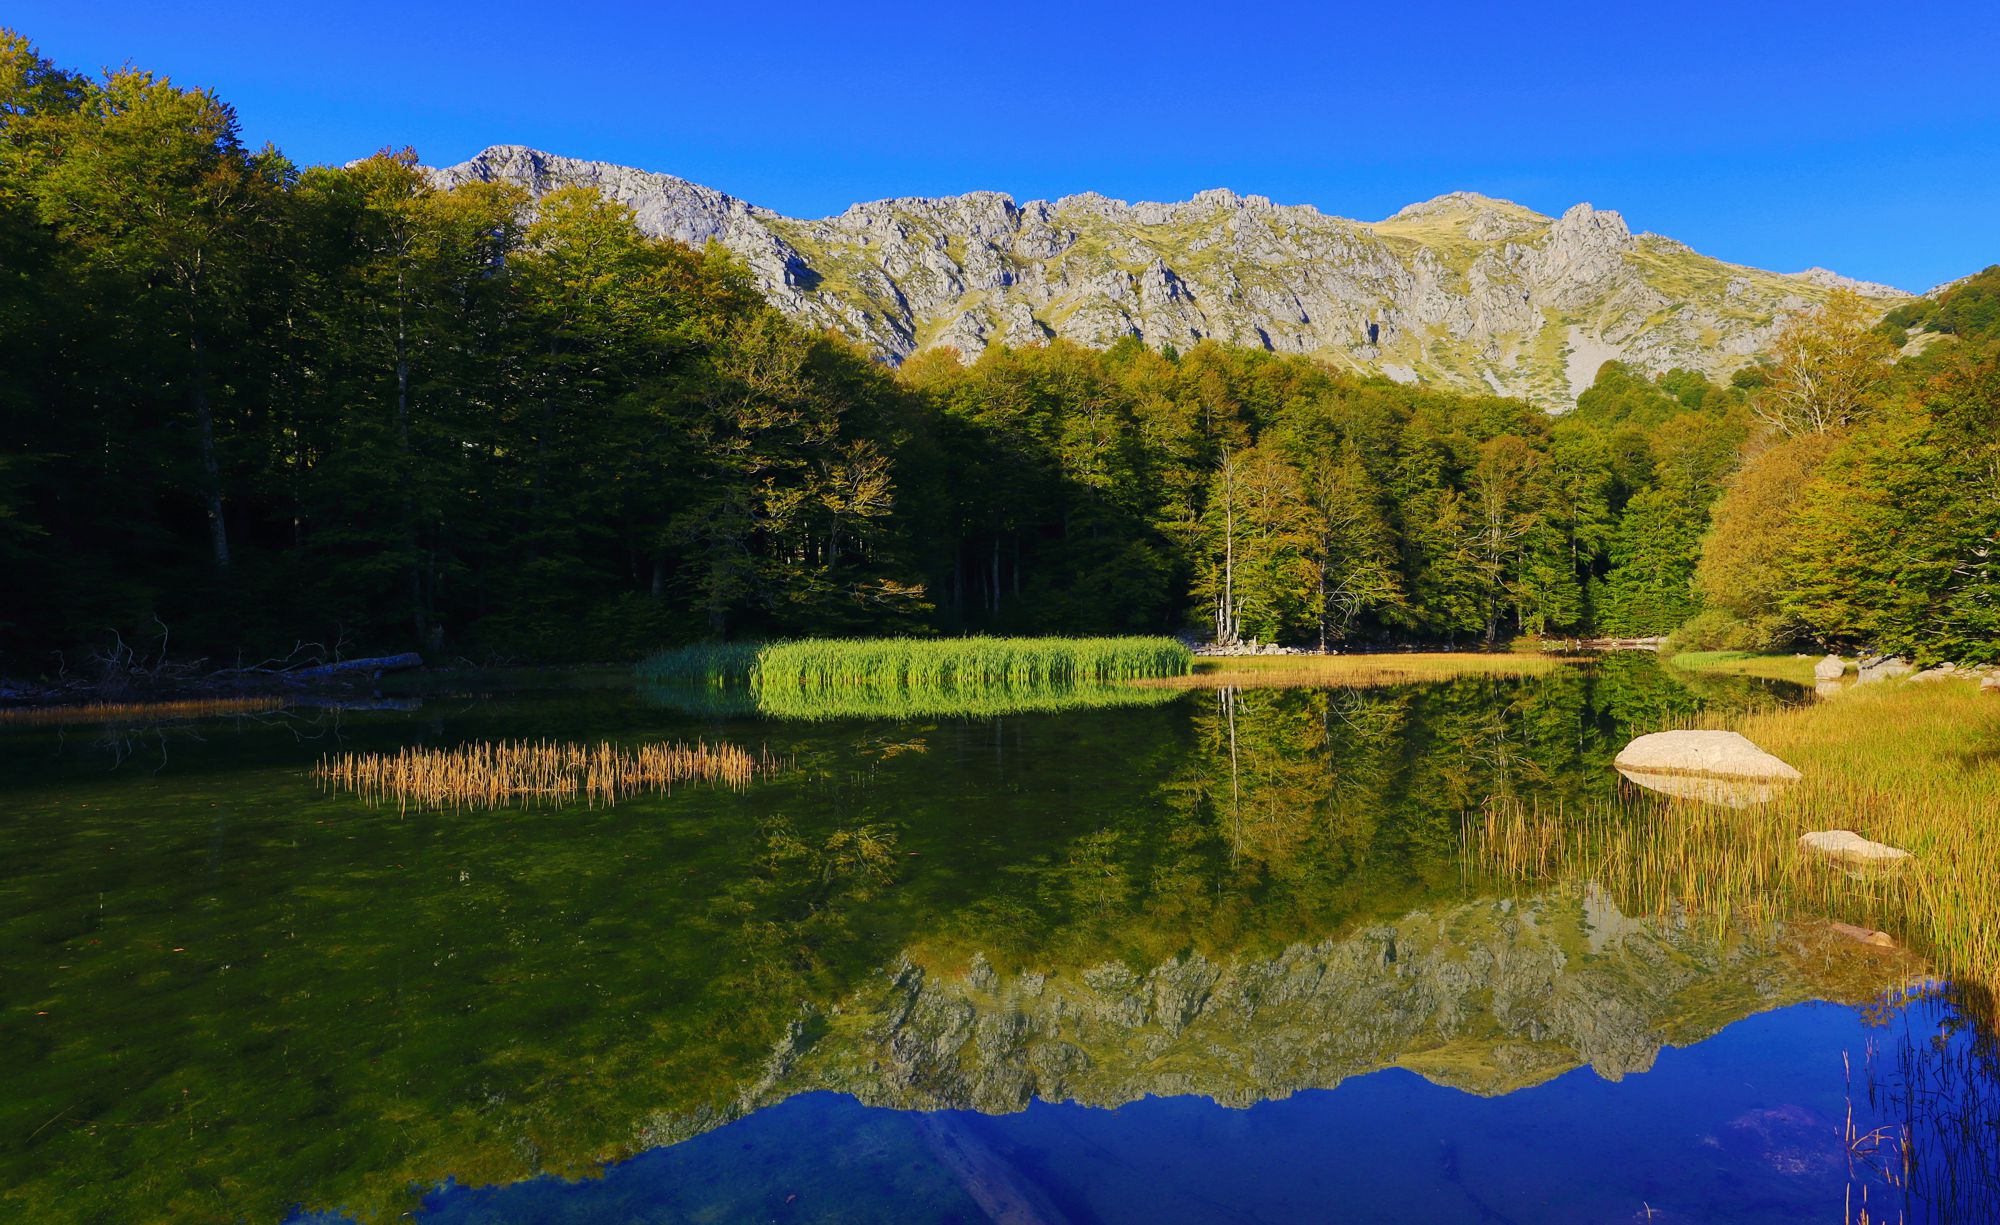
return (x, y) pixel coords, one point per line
(1464, 290)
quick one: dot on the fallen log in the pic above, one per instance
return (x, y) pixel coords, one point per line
(348, 667)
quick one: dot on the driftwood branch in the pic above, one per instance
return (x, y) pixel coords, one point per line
(381, 663)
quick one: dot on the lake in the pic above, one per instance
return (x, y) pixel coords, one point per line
(1182, 956)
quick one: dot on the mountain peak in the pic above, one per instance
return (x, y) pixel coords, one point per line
(1460, 203)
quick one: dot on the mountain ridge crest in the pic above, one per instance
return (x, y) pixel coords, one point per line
(1465, 290)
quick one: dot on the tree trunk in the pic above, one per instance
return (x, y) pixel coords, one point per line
(419, 618)
(1230, 625)
(211, 467)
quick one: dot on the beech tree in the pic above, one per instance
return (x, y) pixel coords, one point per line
(1827, 368)
(150, 188)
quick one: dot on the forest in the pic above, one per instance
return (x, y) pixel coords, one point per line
(249, 408)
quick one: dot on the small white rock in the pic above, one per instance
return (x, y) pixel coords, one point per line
(1849, 847)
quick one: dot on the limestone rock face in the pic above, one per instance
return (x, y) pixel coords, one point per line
(1464, 290)
(1830, 668)
(1847, 846)
(1715, 754)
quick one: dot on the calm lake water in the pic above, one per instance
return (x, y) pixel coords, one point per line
(1195, 956)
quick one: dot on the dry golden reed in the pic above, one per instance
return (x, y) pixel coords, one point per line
(1355, 671)
(1915, 766)
(534, 772)
(138, 712)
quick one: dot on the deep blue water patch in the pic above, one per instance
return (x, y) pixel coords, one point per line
(1750, 1124)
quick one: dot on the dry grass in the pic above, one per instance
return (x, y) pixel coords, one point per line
(1917, 767)
(137, 712)
(537, 772)
(1356, 671)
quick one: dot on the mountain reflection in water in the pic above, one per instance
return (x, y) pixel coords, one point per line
(1750, 1125)
(233, 996)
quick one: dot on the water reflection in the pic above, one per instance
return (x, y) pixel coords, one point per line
(990, 701)
(1756, 1123)
(234, 996)
(1707, 788)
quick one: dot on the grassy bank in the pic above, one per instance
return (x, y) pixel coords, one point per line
(1355, 671)
(1914, 766)
(1795, 668)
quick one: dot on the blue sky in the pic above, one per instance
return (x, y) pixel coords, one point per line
(1863, 137)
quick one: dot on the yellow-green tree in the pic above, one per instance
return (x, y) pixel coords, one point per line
(1827, 368)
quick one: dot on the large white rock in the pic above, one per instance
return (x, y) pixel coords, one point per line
(1713, 754)
(1849, 847)
(1830, 668)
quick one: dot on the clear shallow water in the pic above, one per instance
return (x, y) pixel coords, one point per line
(1236, 927)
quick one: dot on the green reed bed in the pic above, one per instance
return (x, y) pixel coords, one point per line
(960, 663)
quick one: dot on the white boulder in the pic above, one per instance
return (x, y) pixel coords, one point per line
(1713, 754)
(1829, 669)
(1881, 668)
(1846, 846)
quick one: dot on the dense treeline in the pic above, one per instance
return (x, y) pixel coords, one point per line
(256, 403)
(1866, 510)
(249, 404)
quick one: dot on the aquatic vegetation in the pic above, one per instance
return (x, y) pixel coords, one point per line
(701, 663)
(137, 712)
(955, 663)
(537, 772)
(1916, 767)
(970, 701)
(1357, 671)
(1941, 1094)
